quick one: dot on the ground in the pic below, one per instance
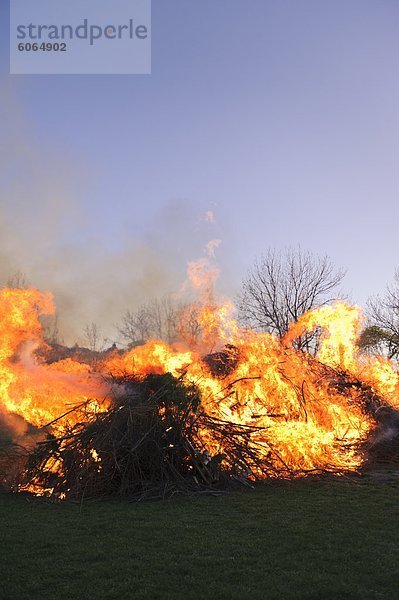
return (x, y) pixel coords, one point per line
(308, 540)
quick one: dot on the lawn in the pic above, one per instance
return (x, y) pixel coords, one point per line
(306, 540)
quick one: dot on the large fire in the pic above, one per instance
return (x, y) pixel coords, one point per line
(245, 377)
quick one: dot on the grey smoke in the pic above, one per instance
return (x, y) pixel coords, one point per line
(39, 215)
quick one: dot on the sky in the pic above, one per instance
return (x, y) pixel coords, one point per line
(282, 118)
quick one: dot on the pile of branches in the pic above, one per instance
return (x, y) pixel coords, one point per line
(148, 443)
(13, 458)
(152, 439)
(381, 449)
(15, 448)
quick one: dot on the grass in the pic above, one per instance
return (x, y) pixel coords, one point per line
(307, 540)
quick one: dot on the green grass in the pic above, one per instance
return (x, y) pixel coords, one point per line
(308, 540)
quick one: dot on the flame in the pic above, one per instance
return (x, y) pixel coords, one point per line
(210, 217)
(211, 247)
(304, 422)
(341, 327)
(36, 391)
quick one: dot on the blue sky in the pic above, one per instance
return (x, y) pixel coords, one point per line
(280, 117)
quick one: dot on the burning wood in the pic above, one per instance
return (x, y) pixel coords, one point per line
(148, 443)
(160, 419)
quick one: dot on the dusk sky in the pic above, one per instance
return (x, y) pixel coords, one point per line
(280, 117)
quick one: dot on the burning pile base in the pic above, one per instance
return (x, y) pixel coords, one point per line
(150, 441)
(177, 419)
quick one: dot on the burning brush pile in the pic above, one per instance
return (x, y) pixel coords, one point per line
(162, 419)
(147, 443)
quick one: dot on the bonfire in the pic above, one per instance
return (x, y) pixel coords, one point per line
(161, 419)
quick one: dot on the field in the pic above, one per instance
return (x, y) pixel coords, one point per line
(306, 540)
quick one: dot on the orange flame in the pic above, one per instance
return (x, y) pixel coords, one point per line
(304, 422)
(36, 391)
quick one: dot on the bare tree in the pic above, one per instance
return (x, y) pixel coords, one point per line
(189, 327)
(155, 319)
(51, 331)
(17, 280)
(93, 336)
(171, 315)
(280, 287)
(165, 319)
(136, 325)
(382, 332)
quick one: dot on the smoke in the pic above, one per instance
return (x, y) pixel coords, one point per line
(46, 233)
(90, 283)
(12, 428)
